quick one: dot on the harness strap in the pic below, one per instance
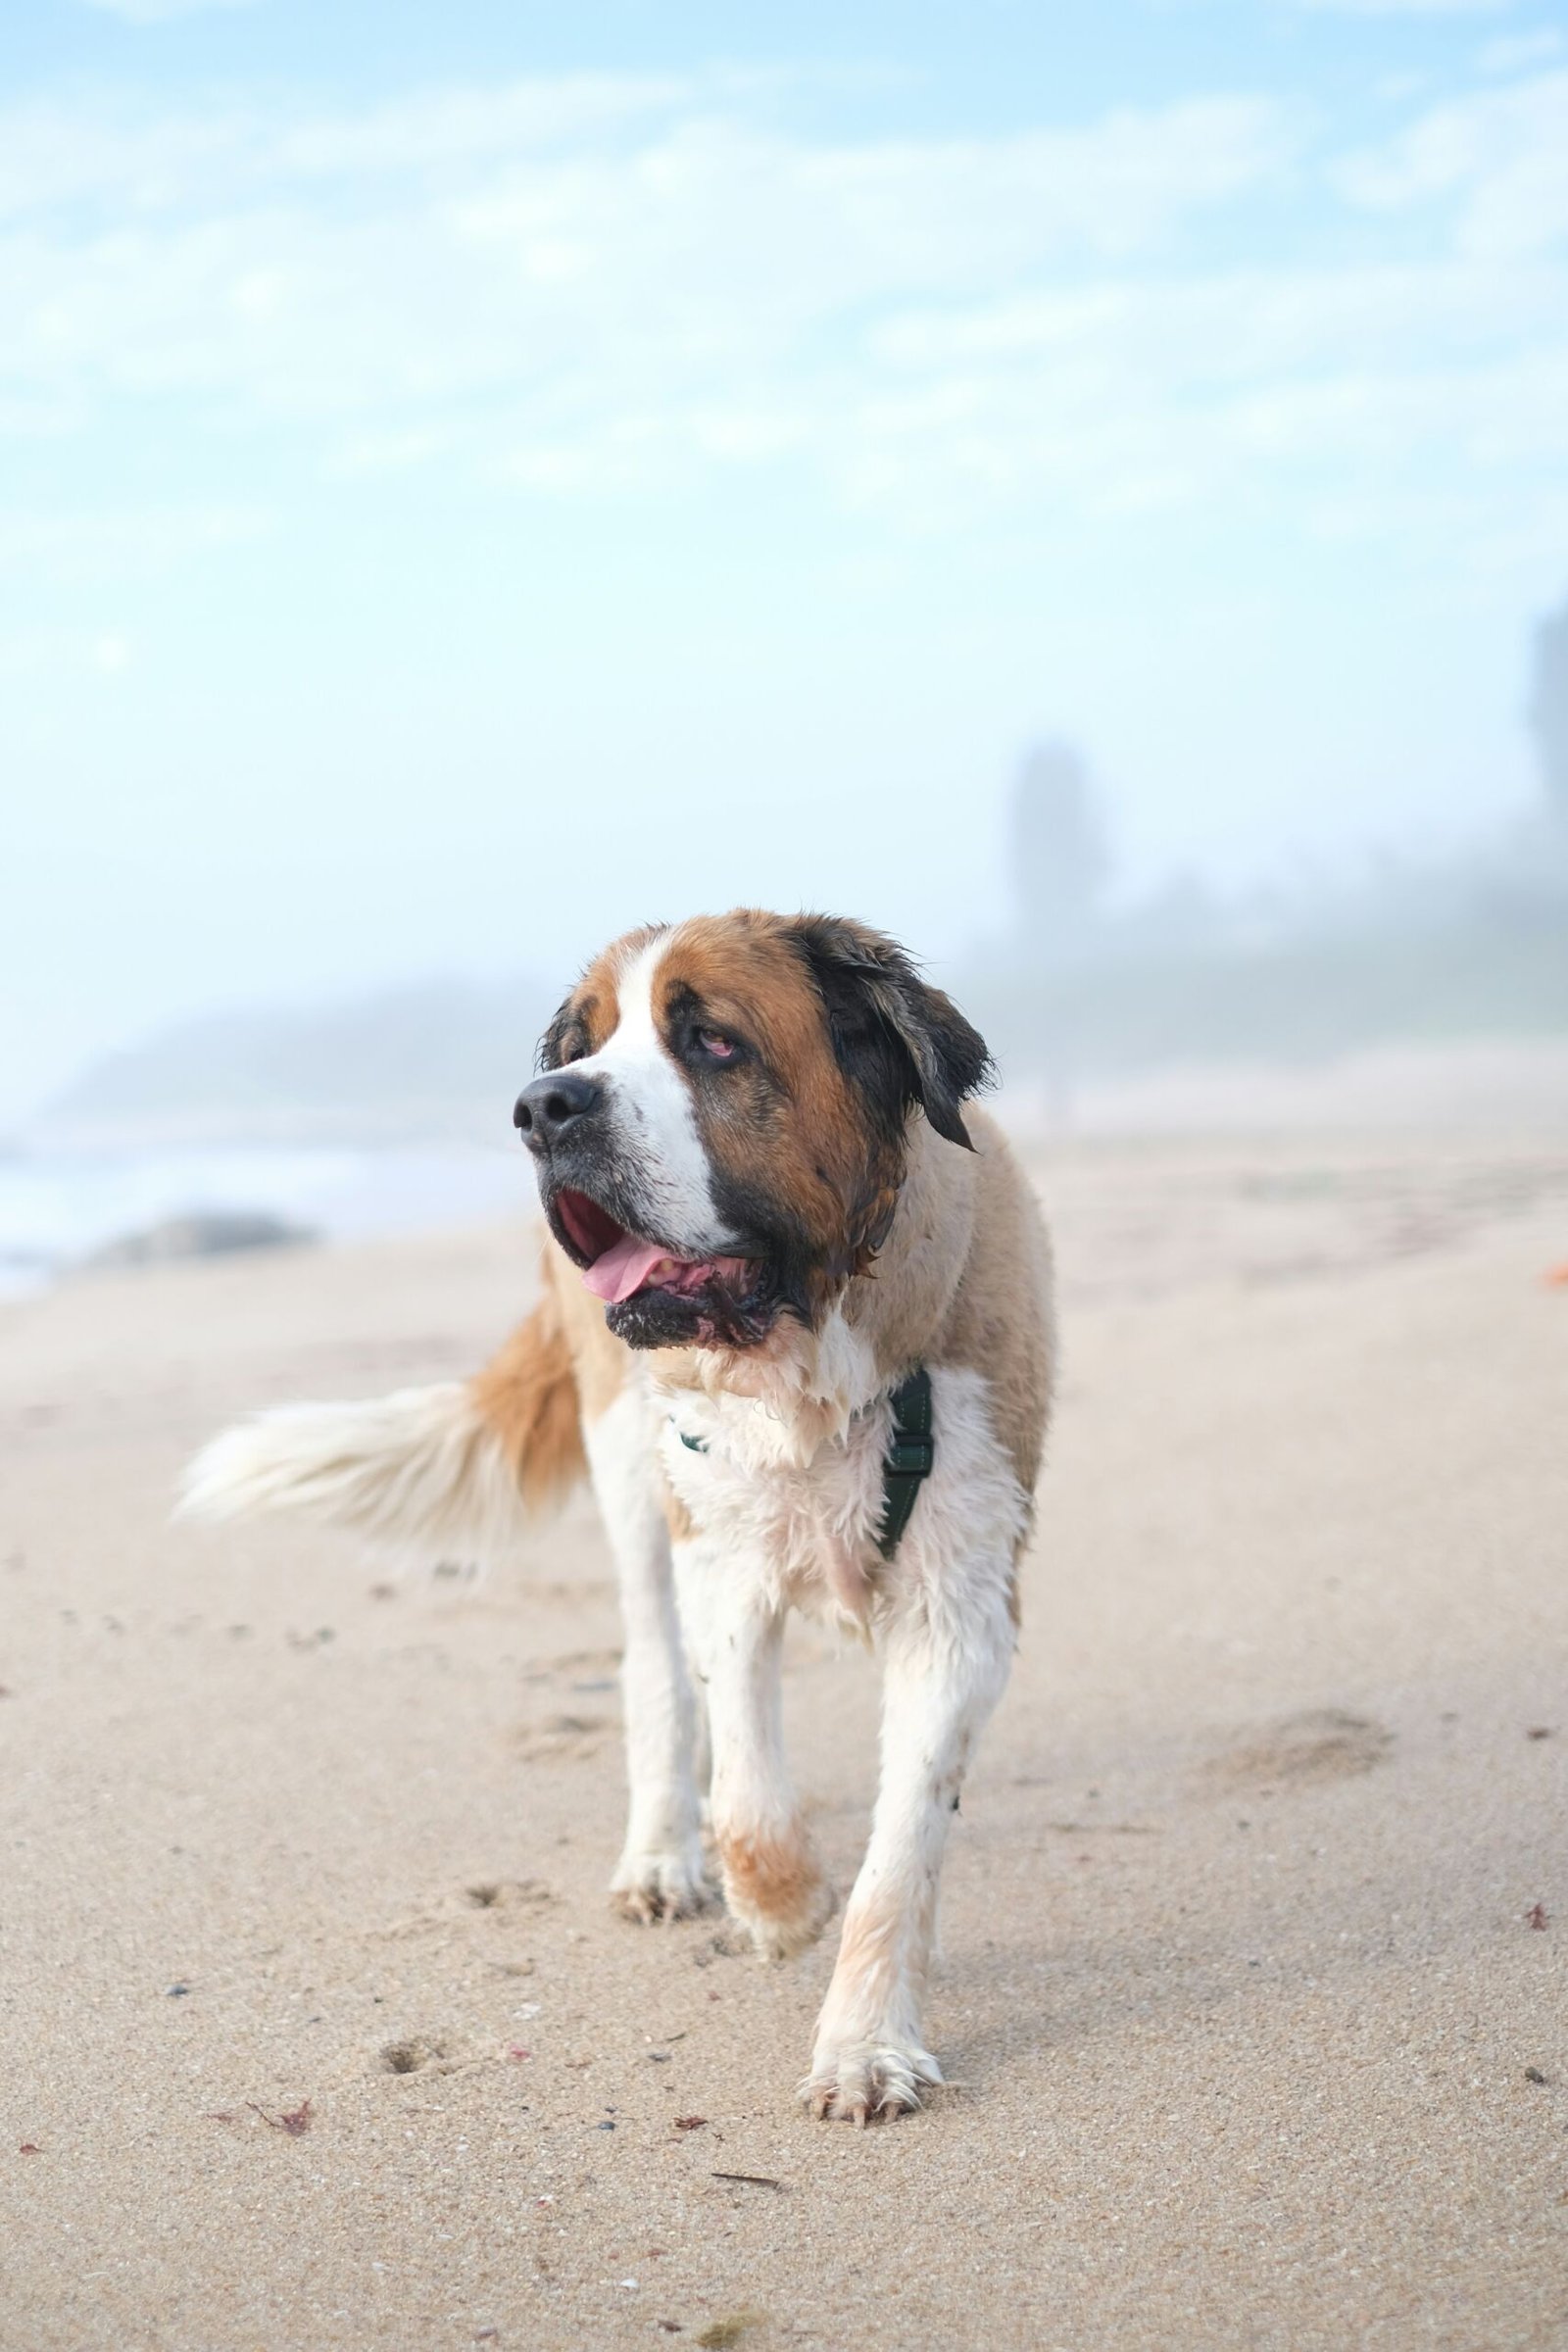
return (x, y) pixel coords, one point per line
(906, 1463)
(909, 1457)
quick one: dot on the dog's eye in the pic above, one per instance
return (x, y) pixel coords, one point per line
(715, 1044)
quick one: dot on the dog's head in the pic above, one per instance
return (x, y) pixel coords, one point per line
(720, 1127)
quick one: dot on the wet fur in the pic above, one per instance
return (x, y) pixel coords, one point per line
(736, 1447)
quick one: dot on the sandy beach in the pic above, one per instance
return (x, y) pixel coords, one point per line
(319, 2029)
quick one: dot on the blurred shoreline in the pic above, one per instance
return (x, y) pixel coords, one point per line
(60, 1207)
(72, 1194)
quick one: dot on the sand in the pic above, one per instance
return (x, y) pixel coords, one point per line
(1255, 2035)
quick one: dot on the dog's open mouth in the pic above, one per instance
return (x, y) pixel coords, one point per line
(618, 1265)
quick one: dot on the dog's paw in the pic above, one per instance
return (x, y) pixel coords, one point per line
(666, 1884)
(868, 2082)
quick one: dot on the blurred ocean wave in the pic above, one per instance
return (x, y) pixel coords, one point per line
(60, 1207)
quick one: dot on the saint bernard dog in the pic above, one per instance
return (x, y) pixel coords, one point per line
(796, 1329)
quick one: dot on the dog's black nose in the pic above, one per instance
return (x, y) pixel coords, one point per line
(545, 1109)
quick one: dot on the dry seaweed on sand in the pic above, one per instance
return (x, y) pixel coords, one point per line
(295, 2121)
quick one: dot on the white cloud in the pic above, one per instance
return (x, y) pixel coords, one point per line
(1516, 53)
(163, 12)
(126, 542)
(1501, 156)
(1247, 391)
(116, 153)
(1409, 8)
(587, 286)
(693, 262)
(462, 127)
(388, 453)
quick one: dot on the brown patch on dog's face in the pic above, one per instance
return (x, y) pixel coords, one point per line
(806, 1040)
(792, 1153)
(748, 1081)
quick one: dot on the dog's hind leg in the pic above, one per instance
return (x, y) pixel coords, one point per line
(659, 1874)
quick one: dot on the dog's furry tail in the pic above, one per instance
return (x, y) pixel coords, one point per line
(447, 1472)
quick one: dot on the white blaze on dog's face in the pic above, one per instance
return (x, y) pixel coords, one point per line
(721, 1130)
(652, 1116)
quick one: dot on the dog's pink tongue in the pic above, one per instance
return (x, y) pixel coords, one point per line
(622, 1268)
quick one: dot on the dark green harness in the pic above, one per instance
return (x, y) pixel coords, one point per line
(908, 1459)
(907, 1462)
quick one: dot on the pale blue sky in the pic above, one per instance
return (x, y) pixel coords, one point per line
(476, 475)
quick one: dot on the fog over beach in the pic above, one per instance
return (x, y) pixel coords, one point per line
(473, 491)
(1428, 995)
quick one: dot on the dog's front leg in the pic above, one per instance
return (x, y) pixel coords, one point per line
(734, 1624)
(943, 1675)
(659, 1874)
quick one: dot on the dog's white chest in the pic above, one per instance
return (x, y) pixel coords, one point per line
(730, 1464)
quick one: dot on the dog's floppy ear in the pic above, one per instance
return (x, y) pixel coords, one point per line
(899, 1040)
